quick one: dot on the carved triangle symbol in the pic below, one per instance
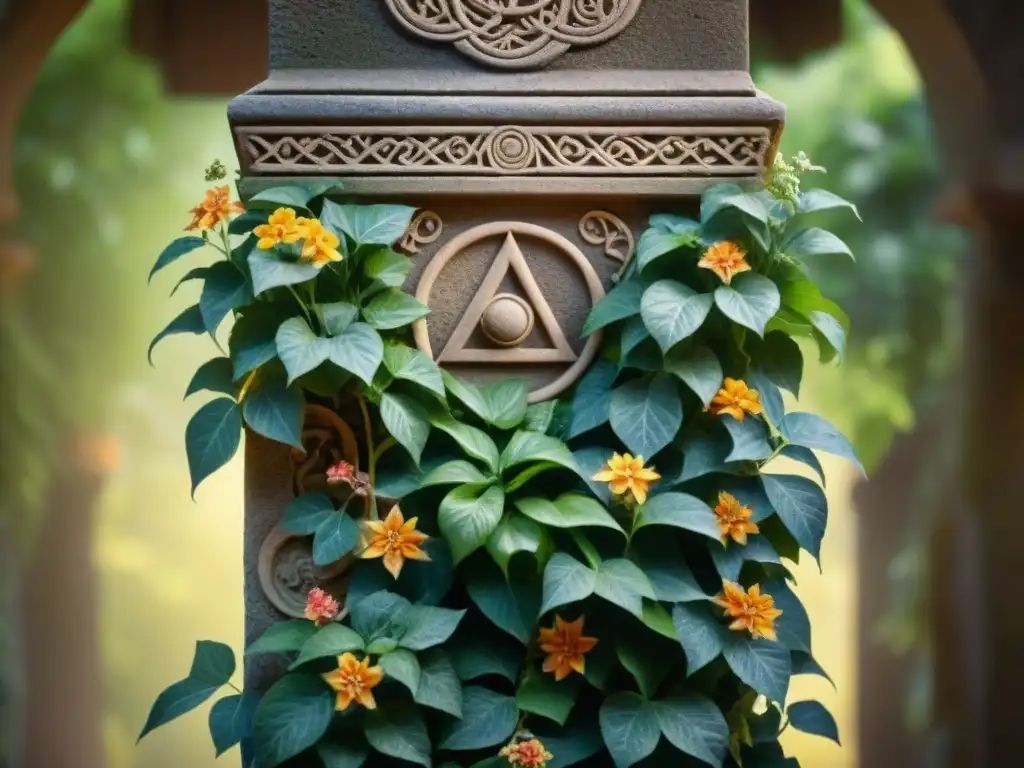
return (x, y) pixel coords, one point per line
(510, 257)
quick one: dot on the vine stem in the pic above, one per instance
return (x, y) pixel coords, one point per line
(301, 303)
(234, 687)
(249, 381)
(372, 456)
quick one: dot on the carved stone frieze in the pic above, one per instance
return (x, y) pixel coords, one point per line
(715, 151)
(515, 34)
(612, 233)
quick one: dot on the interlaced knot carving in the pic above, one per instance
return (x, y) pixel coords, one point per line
(515, 34)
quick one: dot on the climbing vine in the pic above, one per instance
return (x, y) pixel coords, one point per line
(596, 581)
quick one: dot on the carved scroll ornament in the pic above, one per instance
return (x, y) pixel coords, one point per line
(611, 232)
(508, 150)
(515, 34)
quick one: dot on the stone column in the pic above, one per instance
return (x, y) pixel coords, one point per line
(535, 136)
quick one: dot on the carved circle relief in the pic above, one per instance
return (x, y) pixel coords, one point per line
(515, 34)
(506, 319)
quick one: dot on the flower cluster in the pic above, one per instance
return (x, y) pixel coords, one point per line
(354, 681)
(726, 259)
(321, 608)
(565, 645)
(626, 474)
(736, 399)
(734, 518)
(283, 227)
(527, 753)
(395, 539)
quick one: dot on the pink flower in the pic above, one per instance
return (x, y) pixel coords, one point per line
(321, 608)
(341, 472)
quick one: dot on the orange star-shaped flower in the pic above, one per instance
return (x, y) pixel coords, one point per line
(283, 226)
(354, 681)
(321, 608)
(734, 518)
(726, 259)
(395, 539)
(321, 245)
(627, 474)
(215, 208)
(736, 399)
(750, 610)
(565, 645)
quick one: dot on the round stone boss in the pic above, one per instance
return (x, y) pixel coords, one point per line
(507, 319)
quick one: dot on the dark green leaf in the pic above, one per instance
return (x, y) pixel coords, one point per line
(469, 394)
(570, 510)
(211, 438)
(512, 606)
(368, 224)
(468, 516)
(705, 446)
(176, 700)
(526, 446)
(539, 416)
(178, 248)
(629, 726)
(700, 634)
(764, 665)
(592, 399)
(299, 348)
(488, 718)
(566, 580)
(393, 309)
(646, 415)
(815, 242)
(622, 583)
(269, 270)
(815, 200)
(306, 513)
(231, 720)
(406, 421)
(666, 233)
(276, 410)
(283, 637)
(695, 726)
(830, 330)
(472, 440)
(402, 665)
(673, 311)
(793, 626)
(473, 659)
(540, 694)
(398, 731)
(647, 668)
(806, 457)
(730, 196)
(335, 755)
(665, 568)
(427, 626)
(337, 316)
(804, 664)
(378, 615)
(679, 510)
(811, 431)
(409, 364)
(226, 288)
(590, 461)
(729, 559)
(198, 273)
(656, 617)
(329, 641)
(506, 403)
(573, 745)
(801, 505)
(812, 717)
(388, 267)
(439, 684)
(782, 361)
(291, 196)
(698, 368)
(621, 302)
(335, 538)
(515, 534)
(771, 395)
(253, 337)
(749, 439)
(456, 472)
(291, 718)
(214, 376)
(247, 222)
(358, 349)
(189, 321)
(751, 300)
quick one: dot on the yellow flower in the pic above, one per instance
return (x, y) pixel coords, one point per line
(395, 539)
(751, 611)
(565, 645)
(354, 681)
(627, 473)
(736, 399)
(281, 227)
(726, 259)
(734, 518)
(526, 754)
(321, 245)
(215, 208)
